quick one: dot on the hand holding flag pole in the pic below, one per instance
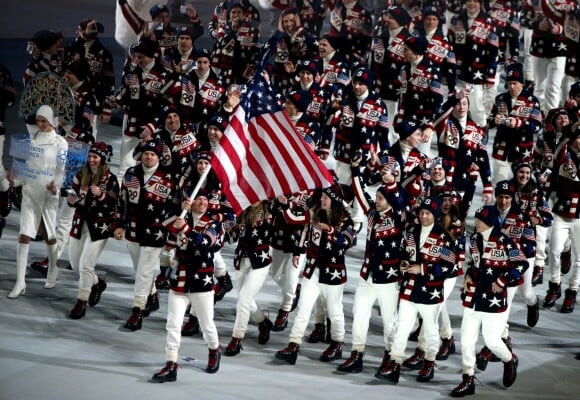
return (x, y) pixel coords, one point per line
(201, 181)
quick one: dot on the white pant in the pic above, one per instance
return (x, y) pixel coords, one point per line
(562, 229)
(128, 145)
(219, 265)
(286, 275)
(249, 281)
(526, 289)
(365, 296)
(477, 99)
(65, 221)
(176, 305)
(344, 175)
(501, 170)
(548, 76)
(491, 325)
(541, 236)
(310, 291)
(405, 323)
(528, 65)
(492, 92)
(83, 254)
(392, 109)
(146, 264)
(445, 329)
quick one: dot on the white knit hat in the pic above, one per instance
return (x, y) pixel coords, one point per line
(47, 112)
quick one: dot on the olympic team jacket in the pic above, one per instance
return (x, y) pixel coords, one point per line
(144, 206)
(566, 182)
(437, 259)
(496, 260)
(384, 233)
(196, 243)
(326, 249)
(100, 214)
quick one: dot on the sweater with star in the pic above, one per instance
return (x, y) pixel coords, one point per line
(493, 258)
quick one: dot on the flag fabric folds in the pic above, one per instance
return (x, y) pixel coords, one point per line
(261, 156)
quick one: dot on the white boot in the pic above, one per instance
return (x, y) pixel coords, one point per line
(21, 260)
(52, 273)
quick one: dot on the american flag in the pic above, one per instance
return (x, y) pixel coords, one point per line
(261, 155)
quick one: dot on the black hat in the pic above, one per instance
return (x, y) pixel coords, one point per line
(235, 4)
(336, 195)
(505, 188)
(522, 163)
(365, 77)
(488, 215)
(169, 110)
(45, 39)
(186, 31)
(307, 65)
(514, 72)
(203, 155)
(99, 28)
(203, 53)
(332, 40)
(151, 145)
(417, 44)
(399, 14)
(574, 90)
(220, 121)
(103, 150)
(148, 47)
(202, 192)
(406, 128)
(427, 11)
(79, 68)
(432, 204)
(301, 99)
(157, 10)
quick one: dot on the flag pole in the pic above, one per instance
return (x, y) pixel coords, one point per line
(201, 181)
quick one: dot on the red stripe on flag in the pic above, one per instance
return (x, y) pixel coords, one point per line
(265, 159)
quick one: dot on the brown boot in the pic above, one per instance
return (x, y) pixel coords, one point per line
(390, 371)
(569, 301)
(166, 374)
(318, 334)
(465, 388)
(79, 310)
(565, 261)
(191, 327)
(135, 320)
(213, 360)
(510, 371)
(234, 347)
(426, 372)
(333, 352)
(446, 349)
(554, 293)
(264, 328)
(538, 276)
(353, 364)
(289, 354)
(416, 360)
(281, 321)
(96, 290)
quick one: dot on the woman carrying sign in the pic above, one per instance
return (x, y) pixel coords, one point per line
(41, 176)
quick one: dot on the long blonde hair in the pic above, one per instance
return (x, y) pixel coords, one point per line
(248, 216)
